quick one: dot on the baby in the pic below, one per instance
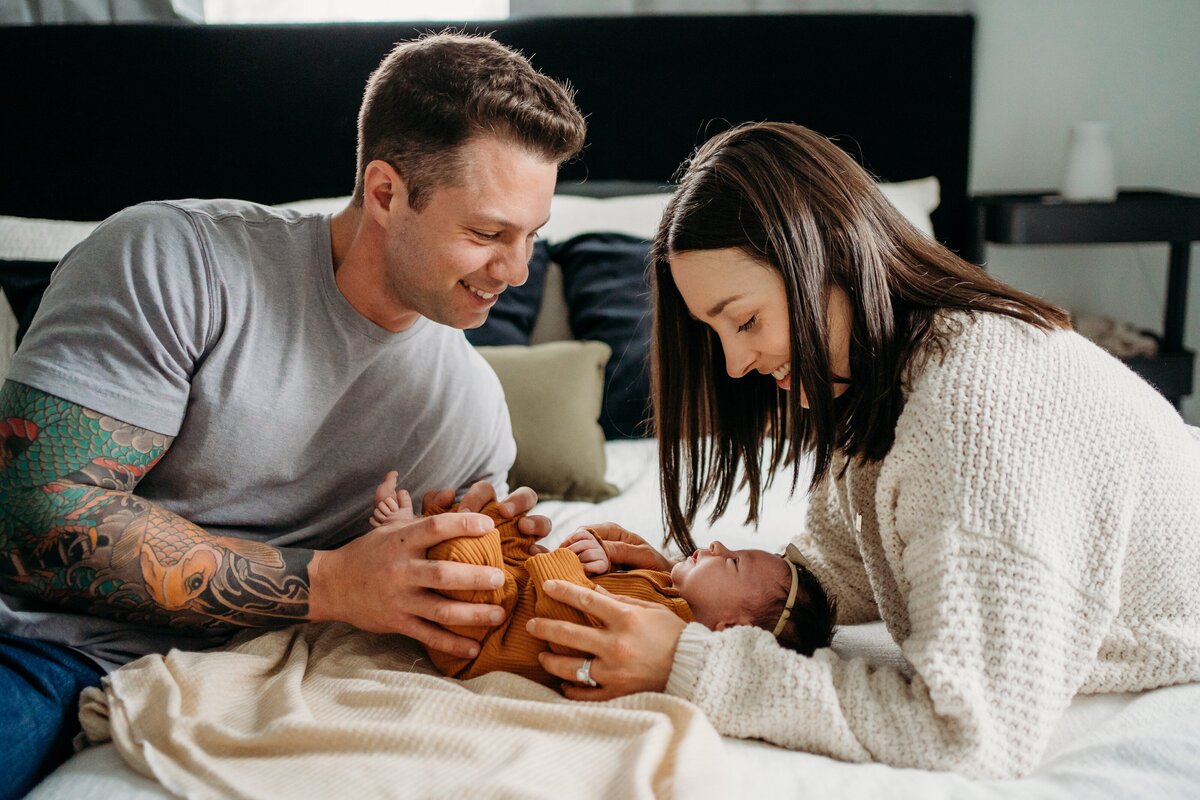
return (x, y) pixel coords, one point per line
(715, 586)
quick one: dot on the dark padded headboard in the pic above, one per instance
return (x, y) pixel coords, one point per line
(100, 117)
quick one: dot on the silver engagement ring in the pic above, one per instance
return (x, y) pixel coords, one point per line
(584, 674)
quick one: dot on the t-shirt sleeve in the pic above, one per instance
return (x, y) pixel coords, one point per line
(124, 320)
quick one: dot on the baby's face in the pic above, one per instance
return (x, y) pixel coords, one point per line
(725, 587)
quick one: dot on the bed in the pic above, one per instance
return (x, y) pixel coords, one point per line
(103, 117)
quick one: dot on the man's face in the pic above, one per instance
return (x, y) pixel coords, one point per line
(473, 239)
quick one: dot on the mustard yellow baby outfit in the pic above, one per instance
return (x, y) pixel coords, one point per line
(508, 647)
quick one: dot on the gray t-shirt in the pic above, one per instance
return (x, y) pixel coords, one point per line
(220, 323)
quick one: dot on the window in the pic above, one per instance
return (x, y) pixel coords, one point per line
(265, 11)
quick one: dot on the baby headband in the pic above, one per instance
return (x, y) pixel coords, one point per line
(795, 560)
(791, 598)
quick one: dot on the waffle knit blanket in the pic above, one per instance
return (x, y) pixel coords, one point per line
(328, 711)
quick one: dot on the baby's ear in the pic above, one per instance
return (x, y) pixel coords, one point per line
(729, 623)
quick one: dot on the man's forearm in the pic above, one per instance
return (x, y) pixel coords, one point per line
(73, 533)
(115, 554)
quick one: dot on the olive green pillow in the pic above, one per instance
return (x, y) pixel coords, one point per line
(554, 391)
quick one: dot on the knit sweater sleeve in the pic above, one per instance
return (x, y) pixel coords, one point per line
(1009, 552)
(831, 553)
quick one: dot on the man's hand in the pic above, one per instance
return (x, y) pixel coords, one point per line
(521, 501)
(383, 582)
(627, 549)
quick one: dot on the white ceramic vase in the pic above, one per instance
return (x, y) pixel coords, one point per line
(1090, 173)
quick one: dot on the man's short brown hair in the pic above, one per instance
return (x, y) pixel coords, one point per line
(432, 94)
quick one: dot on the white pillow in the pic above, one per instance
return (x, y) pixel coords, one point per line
(635, 215)
(570, 215)
(28, 239)
(321, 205)
(916, 200)
(638, 215)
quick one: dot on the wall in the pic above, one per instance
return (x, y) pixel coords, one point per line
(1041, 66)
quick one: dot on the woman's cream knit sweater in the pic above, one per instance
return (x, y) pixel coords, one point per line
(1034, 533)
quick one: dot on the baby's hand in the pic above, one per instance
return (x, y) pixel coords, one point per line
(391, 505)
(591, 553)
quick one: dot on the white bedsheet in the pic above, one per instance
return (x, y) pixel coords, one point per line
(1106, 746)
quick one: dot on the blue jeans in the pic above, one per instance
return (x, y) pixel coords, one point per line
(40, 683)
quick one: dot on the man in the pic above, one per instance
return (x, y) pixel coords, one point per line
(192, 427)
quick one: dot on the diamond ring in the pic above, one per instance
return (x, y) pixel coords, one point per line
(584, 674)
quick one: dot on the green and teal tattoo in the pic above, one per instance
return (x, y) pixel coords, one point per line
(73, 533)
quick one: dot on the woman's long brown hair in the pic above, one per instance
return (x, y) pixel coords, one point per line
(794, 201)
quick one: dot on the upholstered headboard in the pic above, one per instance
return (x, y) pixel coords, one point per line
(101, 117)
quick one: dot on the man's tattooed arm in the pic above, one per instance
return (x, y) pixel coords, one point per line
(73, 533)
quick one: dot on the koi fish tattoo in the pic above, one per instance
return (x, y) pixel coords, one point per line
(72, 532)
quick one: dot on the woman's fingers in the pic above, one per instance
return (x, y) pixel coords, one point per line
(634, 601)
(569, 634)
(585, 693)
(606, 609)
(567, 667)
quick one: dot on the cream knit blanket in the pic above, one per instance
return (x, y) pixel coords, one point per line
(328, 711)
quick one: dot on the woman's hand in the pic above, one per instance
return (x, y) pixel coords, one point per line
(632, 649)
(627, 549)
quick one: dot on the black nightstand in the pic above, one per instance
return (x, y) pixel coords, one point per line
(1135, 216)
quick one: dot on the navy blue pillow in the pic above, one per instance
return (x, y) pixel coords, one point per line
(23, 283)
(511, 320)
(608, 300)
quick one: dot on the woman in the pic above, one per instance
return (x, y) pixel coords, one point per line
(1021, 510)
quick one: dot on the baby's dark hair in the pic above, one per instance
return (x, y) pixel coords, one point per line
(810, 625)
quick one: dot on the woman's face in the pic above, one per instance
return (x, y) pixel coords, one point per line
(744, 302)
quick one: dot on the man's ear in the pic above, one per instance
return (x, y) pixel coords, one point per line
(382, 187)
